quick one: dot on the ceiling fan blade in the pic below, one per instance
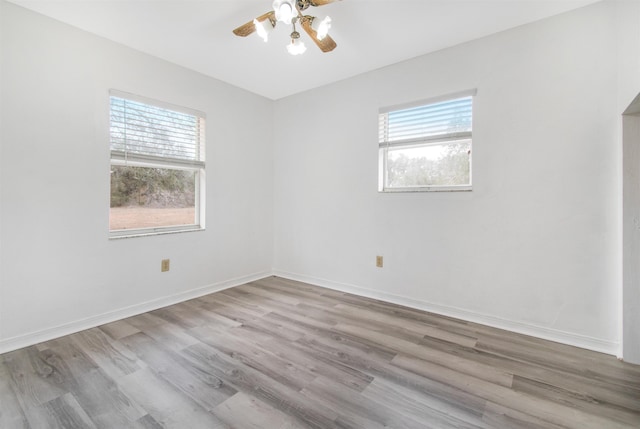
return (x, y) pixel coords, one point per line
(326, 45)
(248, 28)
(321, 2)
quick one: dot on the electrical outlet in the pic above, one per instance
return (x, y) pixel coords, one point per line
(379, 261)
(164, 266)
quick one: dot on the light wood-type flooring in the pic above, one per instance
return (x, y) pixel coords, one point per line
(281, 354)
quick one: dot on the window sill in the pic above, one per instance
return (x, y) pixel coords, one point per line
(119, 235)
(426, 189)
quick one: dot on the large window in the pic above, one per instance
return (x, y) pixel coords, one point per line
(157, 167)
(426, 146)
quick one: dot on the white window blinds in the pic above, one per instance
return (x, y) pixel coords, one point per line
(151, 132)
(435, 122)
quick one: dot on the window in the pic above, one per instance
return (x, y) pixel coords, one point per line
(426, 146)
(157, 167)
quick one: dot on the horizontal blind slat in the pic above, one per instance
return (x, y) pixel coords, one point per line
(142, 122)
(426, 140)
(451, 119)
(160, 161)
(157, 103)
(432, 111)
(146, 122)
(458, 114)
(149, 137)
(144, 131)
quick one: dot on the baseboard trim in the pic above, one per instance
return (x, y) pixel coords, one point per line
(32, 338)
(569, 338)
(559, 336)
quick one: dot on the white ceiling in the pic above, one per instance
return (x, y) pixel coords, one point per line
(370, 34)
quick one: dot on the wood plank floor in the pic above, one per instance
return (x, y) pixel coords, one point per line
(281, 354)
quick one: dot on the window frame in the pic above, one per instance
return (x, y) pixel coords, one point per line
(198, 167)
(385, 146)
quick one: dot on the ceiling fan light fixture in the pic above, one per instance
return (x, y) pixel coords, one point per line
(285, 10)
(296, 47)
(263, 28)
(289, 12)
(321, 27)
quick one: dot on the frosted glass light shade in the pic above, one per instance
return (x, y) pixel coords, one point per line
(263, 28)
(296, 47)
(322, 27)
(285, 10)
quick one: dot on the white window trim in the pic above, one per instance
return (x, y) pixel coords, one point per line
(118, 157)
(382, 150)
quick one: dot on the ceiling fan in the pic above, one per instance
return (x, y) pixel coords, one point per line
(290, 12)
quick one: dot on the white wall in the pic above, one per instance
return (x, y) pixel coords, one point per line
(58, 269)
(534, 248)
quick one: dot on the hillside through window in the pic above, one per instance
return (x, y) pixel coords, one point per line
(157, 167)
(426, 147)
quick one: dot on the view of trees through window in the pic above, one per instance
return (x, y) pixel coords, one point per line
(144, 197)
(431, 165)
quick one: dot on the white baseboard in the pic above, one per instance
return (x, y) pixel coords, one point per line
(32, 338)
(572, 339)
(563, 337)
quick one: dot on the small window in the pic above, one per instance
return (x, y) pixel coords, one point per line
(426, 146)
(157, 167)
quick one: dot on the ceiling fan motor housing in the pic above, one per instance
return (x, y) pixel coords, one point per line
(303, 4)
